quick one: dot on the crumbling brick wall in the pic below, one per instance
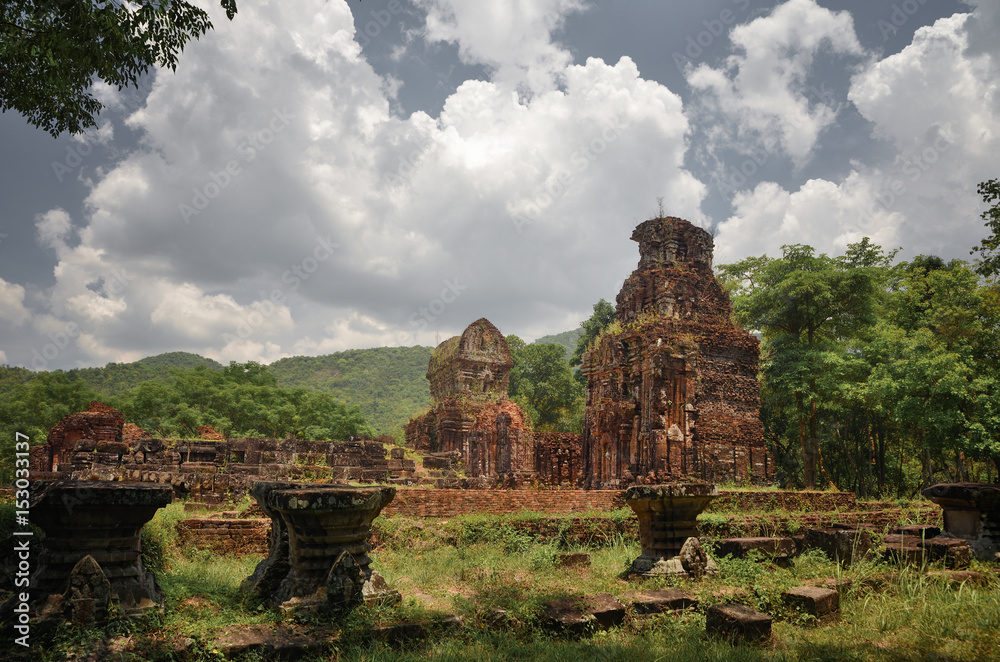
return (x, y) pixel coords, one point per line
(97, 430)
(559, 458)
(671, 386)
(95, 444)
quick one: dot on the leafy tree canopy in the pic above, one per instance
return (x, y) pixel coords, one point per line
(988, 265)
(52, 52)
(604, 314)
(542, 382)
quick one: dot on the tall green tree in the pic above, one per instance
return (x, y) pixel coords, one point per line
(53, 51)
(603, 315)
(935, 365)
(807, 307)
(542, 382)
(988, 265)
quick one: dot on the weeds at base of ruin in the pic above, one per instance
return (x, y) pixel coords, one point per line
(889, 612)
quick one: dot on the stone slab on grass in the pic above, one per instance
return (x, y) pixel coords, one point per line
(840, 544)
(738, 548)
(925, 531)
(737, 622)
(402, 633)
(821, 603)
(579, 614)
(956, 552)
(270, 641)
(906, 553)
(653, 602)
(959, 577)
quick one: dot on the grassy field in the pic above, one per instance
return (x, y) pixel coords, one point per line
(472, 567)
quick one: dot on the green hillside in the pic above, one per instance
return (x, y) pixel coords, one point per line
(116, 378)
(389, 384)
(567, 339)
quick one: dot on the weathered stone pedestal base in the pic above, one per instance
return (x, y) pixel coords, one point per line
(319, 546)
(972, 513)
(90, 555)
(668, 529)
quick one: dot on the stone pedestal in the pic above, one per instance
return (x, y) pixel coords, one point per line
(667, 521)
(100, 520)
(971, 512)
(319, 546)
(270, 572)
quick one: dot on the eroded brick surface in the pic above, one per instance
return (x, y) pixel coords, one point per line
(672, 391)
(472, 414)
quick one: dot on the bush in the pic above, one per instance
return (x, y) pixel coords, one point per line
(159, 538)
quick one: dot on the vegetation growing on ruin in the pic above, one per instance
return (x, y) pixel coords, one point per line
(239, 400)
(473, 566)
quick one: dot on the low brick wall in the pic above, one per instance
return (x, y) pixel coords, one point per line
(802, 502)
(251, 536)
(226, 536)
(417, 502)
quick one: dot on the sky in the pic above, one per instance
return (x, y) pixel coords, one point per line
(321, 176)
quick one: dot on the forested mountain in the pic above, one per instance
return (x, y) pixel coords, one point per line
(389, 384)
(116, 378)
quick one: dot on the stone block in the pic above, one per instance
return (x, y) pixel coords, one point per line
(579, 614)
(434, 462)
(737, 622)
(821, 603)
(673, 599)
(956, 552)
(739, 547)
(844, 545)
(925, 531)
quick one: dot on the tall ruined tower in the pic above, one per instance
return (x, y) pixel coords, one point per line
(672, 385)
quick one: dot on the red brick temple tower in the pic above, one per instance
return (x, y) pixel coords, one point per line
(672, 385)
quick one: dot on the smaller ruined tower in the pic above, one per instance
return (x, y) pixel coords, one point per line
(472, 413)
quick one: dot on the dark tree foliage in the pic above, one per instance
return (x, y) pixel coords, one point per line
(604, 314)
(242, 399)
(542, 382)
(875, 377)
(53, 51)
(988, 265)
